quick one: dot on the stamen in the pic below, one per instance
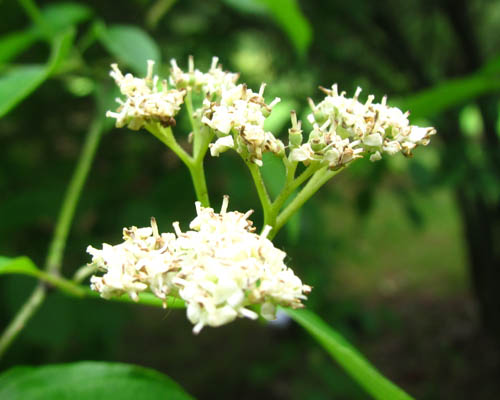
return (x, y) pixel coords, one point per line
(225, 203)
(191, 64)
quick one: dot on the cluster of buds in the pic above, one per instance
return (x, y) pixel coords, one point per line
(238, 119)
(345, 129)
(145, 101)
(219, 267)
(212, 83)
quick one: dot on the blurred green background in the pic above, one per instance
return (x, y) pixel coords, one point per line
(404, 255)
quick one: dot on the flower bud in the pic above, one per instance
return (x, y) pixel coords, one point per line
(317, 140)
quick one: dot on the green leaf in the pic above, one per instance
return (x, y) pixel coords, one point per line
(19, 82)
(24, 266)
(451, 93)
(61, 46)
(348, 357)
(88, 380)
(61, 16)
(18, 265)
(15, 43)
(130, 45)
(287, 14)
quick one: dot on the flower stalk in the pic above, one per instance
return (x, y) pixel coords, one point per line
(53, 261)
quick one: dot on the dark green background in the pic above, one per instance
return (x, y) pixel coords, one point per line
(403, 254)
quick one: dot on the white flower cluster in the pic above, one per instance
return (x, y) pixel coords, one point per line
(345, 129)
(234, 112)
(144, 101)
(242, 113)
(219, 267)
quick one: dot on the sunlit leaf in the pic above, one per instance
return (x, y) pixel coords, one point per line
(18, 265)
(348, 357)
(130, 45)
(88, 380)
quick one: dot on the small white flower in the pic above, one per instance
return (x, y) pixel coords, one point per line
(221, 145)
(375, 140)
(302, 153)
(375, 156)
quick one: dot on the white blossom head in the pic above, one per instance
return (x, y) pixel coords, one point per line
(345, 129)
(241, 113)
(220, 267)
(145, 100)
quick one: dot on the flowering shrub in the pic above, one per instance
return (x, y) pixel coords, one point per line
(221, 269)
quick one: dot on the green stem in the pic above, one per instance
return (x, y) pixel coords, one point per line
(54, 256)
(291, 186)
(22, 317)
(166, 136)
(73, 192)
(202, 135)
(195, 166)
(65, 285)
(319, 178)
(188, 101)
(83, 272)
(197, 172)
(290, 168)
(205, 136)
(148, 299)
(265, 201)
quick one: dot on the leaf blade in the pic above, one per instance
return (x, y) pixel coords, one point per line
(130, 45)
(18, 265)
(451, 93)
(13, 44)
(288, 15)
(18, 83)
(88, 380)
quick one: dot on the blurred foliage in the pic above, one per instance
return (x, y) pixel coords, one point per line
(382, 245)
